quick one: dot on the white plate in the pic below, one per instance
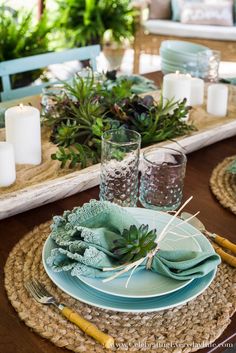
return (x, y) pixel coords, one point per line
(80, 291)
(146, 284)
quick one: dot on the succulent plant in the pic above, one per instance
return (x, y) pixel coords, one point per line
(91, 105)
(135, 243)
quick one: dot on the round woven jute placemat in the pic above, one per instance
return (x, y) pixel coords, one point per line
(223, 184)
(182, 329)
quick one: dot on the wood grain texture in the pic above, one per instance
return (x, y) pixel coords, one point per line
(16, 337)
(48, 191)
(73, 183)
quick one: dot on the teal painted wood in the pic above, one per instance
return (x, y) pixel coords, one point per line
(35, 62)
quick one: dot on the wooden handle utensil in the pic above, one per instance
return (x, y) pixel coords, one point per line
(217, 239)
(229, 259)
(225, 243)
(41, 295)
(90, 329)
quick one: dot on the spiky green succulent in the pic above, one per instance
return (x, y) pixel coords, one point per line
(94, 104)
(134, 243)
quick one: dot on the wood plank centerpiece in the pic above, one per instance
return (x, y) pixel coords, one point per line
(47, 182)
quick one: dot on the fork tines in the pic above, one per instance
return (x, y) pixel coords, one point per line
(36, 289)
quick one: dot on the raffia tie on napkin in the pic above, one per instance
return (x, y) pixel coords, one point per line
(84, 239)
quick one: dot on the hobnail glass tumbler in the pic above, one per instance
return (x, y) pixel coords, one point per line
(162, 179)
(208, 65)
(119, 167)
(48, 95)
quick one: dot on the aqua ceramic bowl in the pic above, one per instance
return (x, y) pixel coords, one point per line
(182, 47)
(180, 52)
(173, 68)
(177, 57)
(176, 63)
(174, 58)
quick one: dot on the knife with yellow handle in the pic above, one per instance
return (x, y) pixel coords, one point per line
(41, 295)
(225, 243)
(230, 259)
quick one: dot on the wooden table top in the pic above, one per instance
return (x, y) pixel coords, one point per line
(16, 337)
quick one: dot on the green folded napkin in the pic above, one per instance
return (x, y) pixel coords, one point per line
(139, 84)
(84, 240)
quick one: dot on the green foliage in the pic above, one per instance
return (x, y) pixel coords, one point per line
(155, 121)
(75, 155)
(88, 108)
(86, 21)
(135, 243)
(19, 37)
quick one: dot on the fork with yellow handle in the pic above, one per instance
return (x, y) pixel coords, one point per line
(90, 329)
(41, 295)
(217, 240)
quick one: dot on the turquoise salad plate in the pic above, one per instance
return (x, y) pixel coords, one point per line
(146, 292)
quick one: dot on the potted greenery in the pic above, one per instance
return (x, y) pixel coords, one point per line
(106, 22)
(20, 37)
(114, 50)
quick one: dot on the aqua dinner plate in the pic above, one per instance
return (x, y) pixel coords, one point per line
(84, 293)
(145, 284)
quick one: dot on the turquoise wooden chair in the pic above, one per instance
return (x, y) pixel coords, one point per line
(11, 67)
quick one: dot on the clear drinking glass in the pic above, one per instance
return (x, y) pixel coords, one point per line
(162, 180)
(48, 95)
(119, 166)
(208, 65)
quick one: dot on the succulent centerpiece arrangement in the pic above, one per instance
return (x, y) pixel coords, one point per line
(91, 105)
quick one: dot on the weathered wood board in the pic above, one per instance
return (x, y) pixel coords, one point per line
(210, 130)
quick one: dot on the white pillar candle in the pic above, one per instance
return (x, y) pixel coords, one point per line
(23, 131)
(177, 86)
(217, 99)
(197, 91)
(7, 164)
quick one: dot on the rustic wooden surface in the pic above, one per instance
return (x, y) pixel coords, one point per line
(25, 197)
(15, 337)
